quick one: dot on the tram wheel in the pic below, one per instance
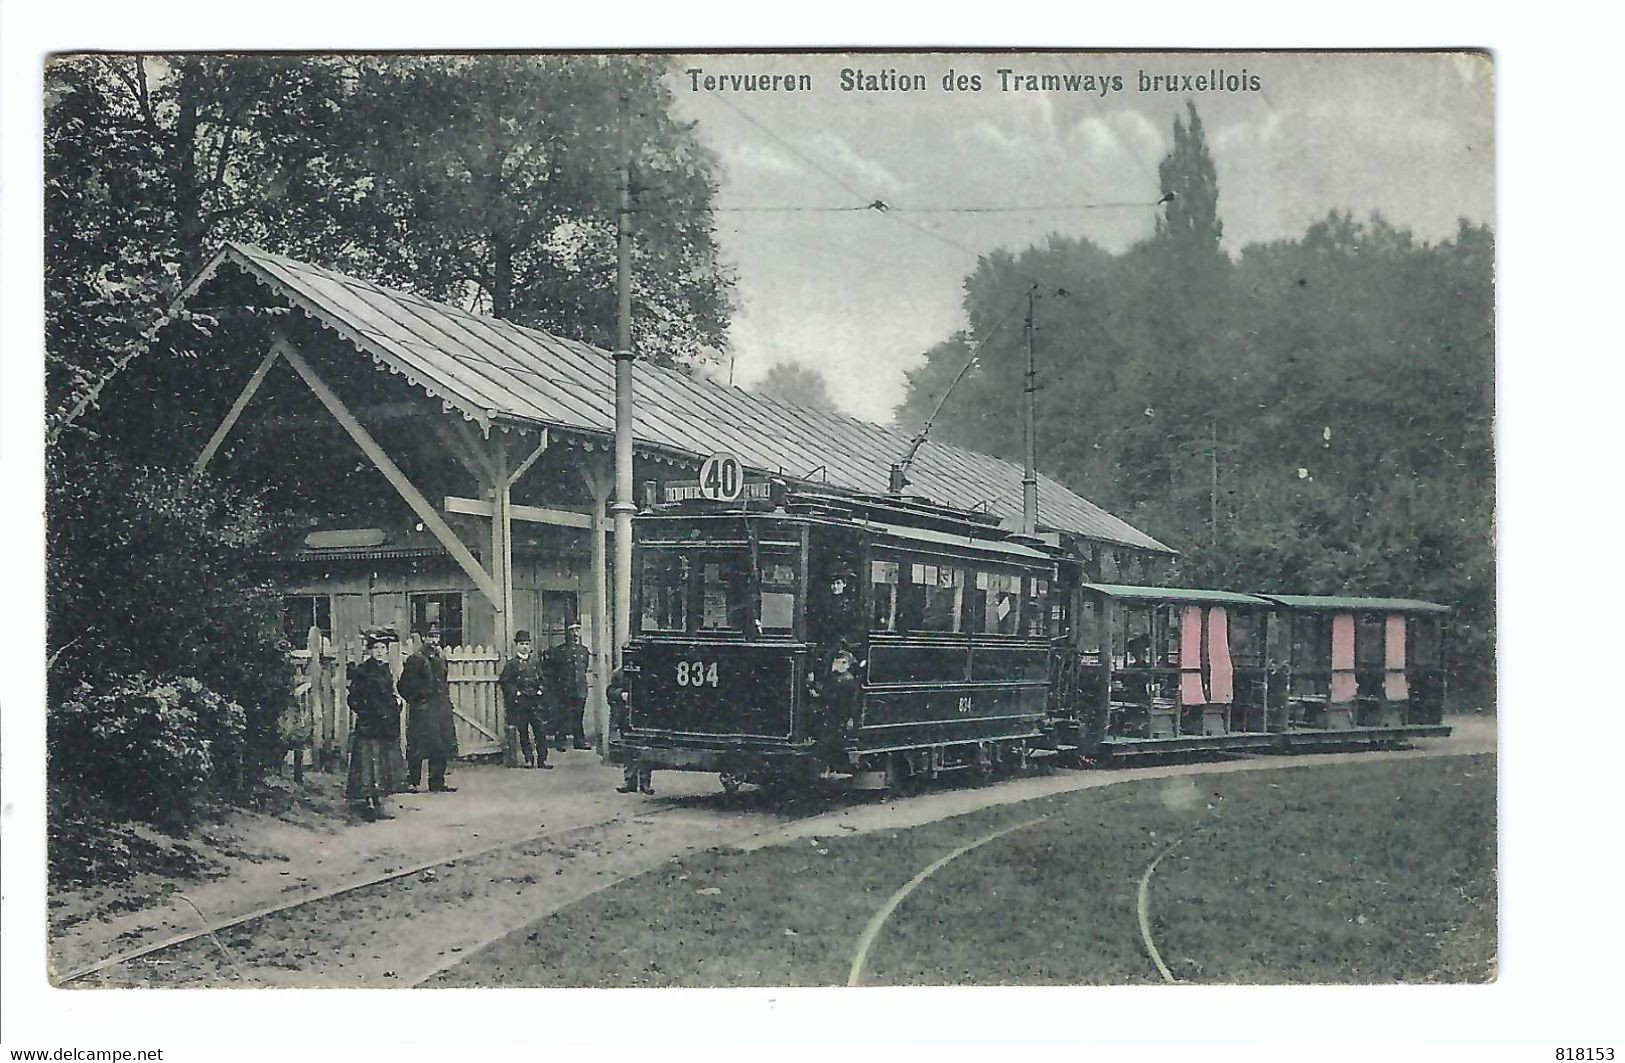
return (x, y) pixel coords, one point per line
(901, 778)
(730, 782)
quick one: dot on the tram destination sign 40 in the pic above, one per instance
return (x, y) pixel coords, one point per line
(722, 479)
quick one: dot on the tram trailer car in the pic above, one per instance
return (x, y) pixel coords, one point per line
(876, 638)
(1360, 667)
(890, 641)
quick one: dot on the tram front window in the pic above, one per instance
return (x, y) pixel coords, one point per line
(707, 589)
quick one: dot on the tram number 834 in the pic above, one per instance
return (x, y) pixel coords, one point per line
(696, 673)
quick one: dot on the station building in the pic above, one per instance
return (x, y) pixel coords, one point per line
(439, 465)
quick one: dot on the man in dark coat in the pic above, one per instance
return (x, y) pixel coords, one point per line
(430, 732)
(567, 689)
(633, 775)
(522, 683)
(376, 770)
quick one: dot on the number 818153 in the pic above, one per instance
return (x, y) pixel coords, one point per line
(1585, 1055)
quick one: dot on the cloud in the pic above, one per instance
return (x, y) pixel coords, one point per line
(761, 158)
(828, 145)
(1248, 133)
(991, 135)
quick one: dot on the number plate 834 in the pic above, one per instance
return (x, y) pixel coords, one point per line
(696, 673)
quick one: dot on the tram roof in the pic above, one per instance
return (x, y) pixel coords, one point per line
(494, 371)
(940, 539)
(1125, 592)
(1340, 602)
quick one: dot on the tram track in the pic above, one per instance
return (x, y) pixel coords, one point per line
(553, 868)
(210, 929)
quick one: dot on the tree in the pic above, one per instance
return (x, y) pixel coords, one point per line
(1190, 184)
(798, 384)
(488, 181)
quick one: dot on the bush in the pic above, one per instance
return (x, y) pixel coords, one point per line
(154, 573)
(147, 748)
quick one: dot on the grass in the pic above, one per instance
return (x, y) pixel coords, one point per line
(1376, 872)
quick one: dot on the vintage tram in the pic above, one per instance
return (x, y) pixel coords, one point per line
(797, 633)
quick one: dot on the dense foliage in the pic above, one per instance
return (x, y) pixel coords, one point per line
(1313, 415)
(799, 384)
(487, 181)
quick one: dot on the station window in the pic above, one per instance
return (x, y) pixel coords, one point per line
(301, 612)
(445, 609)
(883, 576)
(942, 598)
(1001, 602)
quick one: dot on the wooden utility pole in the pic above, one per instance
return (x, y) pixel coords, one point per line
(1213, 484)
(1029, 474)
(623, 506)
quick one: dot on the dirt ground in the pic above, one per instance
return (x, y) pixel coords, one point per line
(509, 848)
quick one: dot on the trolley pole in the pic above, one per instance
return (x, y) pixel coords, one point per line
(1029, 476)
(623, 507)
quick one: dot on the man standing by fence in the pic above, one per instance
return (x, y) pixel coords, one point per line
(375, 750)
(567, 671)
(522, 682)
(431, 733)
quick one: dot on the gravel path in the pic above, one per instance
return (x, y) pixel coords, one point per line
(517, 846)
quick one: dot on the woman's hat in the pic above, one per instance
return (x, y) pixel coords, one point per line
(380, 634)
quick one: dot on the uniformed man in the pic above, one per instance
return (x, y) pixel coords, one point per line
(430, 732)
(522, 682)
(567, 672)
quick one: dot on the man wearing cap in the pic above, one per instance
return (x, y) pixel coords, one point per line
(376, 770)
(522, 681)
(430, 732)
(567, 670)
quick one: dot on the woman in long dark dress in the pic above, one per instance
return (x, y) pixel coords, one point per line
(376, 767)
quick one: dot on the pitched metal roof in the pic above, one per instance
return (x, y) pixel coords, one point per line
(494, 371)
(1345, 603)
(1124, 592)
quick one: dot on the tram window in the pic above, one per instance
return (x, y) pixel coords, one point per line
(1311, 641)
(722, 592)
(1137, 636)
(1368, 640)
(1001, 609)
(883, 584)
(1089, 626)
(1424, 639)
(1169, 617)
(665, 590)
(776, 610)
(944, 597)
(1035, 614)
(1242, 632)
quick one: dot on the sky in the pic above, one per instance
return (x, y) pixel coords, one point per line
(860, 295)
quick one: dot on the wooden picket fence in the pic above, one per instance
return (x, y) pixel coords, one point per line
(320, 718)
